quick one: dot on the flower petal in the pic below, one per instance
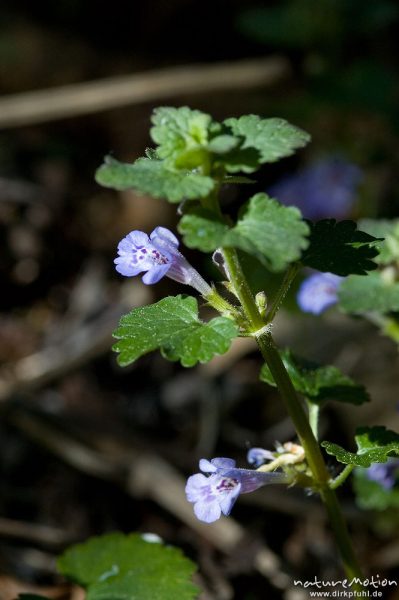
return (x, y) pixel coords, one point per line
(207, 511)
(318, 292)
(198, 488)
(206, 466)
(155, 274)
(124, 266)
(137, 238)
(228, 500)
(165, 235)
(257, 456)
(327, 188)
(223, 463)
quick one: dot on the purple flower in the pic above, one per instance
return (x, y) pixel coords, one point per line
(318, 292)
(384, 473)
(326, 188)
(216, 493)
(258, 456)
(158, 255)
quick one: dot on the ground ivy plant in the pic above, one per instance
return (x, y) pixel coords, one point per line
(193, 159)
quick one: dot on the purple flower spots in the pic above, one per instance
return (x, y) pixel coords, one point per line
(318, 292)
(157, 255)
(386, 474)
(215, 494)
(326, 188)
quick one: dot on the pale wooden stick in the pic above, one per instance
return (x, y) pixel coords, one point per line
(84, 98)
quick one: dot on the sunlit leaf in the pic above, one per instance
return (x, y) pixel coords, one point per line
(375, 445)
(126, 567)
(172, 325)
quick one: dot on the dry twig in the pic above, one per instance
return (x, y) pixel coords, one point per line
(85, 98)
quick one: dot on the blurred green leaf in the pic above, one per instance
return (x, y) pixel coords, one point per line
(387, 229)
(246, 160)
(293, 23)
(153, 177)
(126, 567)
(172, 325)
(365, 84)
(222, 144)
(370, 495)
(376, 293)
(338, 247)
(317, 23)
(375, 445)
(318, 383)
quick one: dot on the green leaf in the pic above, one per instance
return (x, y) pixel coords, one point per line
(275, 234)
(375, 445)
(377, 293)
(338, 247)
(389, 230)
(318, 383)
(370, 495)
(202, 230)
(172, 325)
(177, 130)
(246, 160)
(272, 138)
(221, 144)
(154, 178)
(126, 567)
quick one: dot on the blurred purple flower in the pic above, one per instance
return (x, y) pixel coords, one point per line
(217, 493)
(158, 255)
(327, 188)
(258, 456)
(318, 292)
(384, 473)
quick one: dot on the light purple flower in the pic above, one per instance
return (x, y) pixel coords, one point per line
(216, 493)
(158, 255)
(385, 474)
(258, 456)
(326, 188)
(318, 292)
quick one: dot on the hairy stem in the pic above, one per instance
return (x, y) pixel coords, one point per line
(295, 409)
(339, 479)
(285, 286)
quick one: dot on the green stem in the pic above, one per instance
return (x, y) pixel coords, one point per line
(295, 409)
(242, 289)
(285, 286)
(220, 304)
(344, 544)
(314, 410)
(339, 479)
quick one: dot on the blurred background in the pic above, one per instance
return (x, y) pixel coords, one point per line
(87, 447)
